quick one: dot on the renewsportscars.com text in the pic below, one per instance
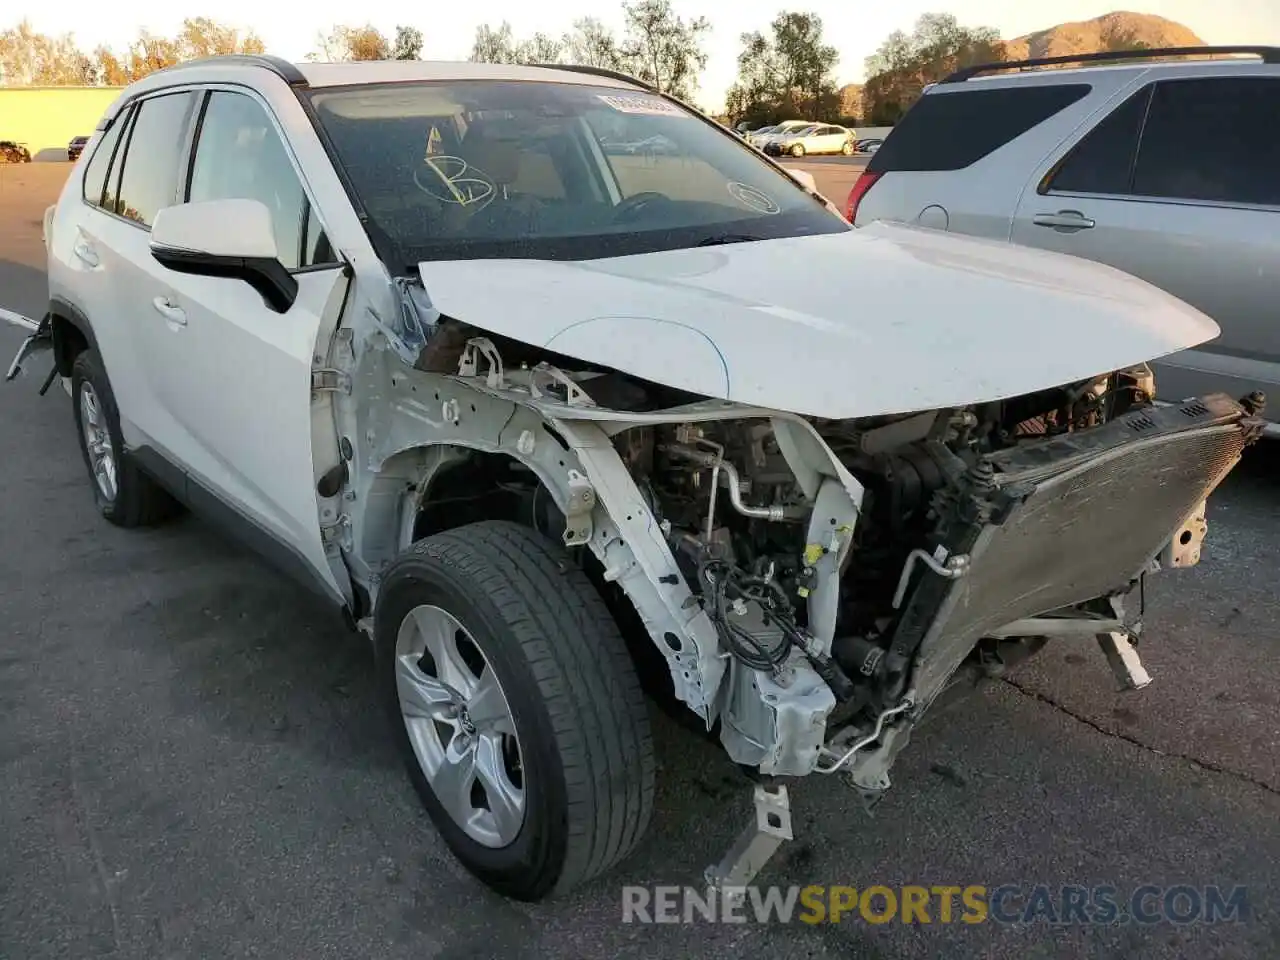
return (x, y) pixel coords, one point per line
(937, 904)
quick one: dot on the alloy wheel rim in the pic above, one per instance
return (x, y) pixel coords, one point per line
(460, 725)
(97, 441)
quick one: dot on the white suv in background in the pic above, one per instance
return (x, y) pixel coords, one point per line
(1166, 169)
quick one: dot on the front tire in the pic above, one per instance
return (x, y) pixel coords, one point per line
(797, 150)
(125, 495)
(516, 707)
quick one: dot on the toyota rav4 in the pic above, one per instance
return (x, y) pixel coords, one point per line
(546, 420)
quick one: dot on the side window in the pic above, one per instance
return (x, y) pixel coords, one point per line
(1103, 161)
(1214, 139)
(149, 180)
(95, 174)
(240, 156)
(953, 128)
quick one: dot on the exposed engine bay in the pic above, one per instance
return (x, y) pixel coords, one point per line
(978, 534)
(736, 521)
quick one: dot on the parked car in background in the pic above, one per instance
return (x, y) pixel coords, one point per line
(13, 152)
(75, 148)
(766, 134)
(1097, 162)
(870, 145)
(817, 138)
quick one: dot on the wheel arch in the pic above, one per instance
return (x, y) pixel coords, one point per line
(72, 334)
(429, 475)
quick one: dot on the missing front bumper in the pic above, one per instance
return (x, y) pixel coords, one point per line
(1049, 526)
(1074, 518)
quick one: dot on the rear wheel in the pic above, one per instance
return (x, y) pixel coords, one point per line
(126, 496)
(516, 707)
(847, 149)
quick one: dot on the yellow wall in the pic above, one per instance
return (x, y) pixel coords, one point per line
(46, 118)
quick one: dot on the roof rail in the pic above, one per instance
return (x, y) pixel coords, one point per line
(282, 68)
(596, 72)
(1267, 54)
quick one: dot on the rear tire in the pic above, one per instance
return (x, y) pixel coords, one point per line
(516, 610)
(847, 149)
(125, 495)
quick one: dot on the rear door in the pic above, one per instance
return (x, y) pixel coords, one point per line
(113, 247)
(234, 374)
(830, 139)
(958, 159)
(1180, 185)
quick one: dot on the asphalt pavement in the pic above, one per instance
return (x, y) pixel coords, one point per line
(192, 763)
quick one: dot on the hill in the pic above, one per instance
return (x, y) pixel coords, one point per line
(1112, 31)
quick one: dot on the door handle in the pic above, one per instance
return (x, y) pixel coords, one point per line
(1063, 220)
(170, 311)
(85, 253)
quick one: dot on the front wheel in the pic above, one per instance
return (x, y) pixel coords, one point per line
(797, 150)
(516, 707)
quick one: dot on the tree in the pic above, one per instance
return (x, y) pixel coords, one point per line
(494, 46)
(150, 53)
(805, 63)
(905, 63)
(202, 37)
(109, 69)
(408, 44)
(661, 48)
(592, 44)
(789, 72)
(29, 58)
(500, 46)
(539, 48)
(344, 43)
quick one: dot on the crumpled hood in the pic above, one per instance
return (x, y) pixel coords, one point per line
(880, 320)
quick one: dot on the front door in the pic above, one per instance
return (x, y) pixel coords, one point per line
(234, 374)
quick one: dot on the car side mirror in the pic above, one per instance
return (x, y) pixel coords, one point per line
(804, 178)
(230, 238)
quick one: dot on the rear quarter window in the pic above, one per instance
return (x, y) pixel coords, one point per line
(953, 130)
(95, 175)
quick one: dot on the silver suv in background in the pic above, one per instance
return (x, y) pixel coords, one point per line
(1165, 169)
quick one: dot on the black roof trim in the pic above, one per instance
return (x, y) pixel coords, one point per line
(282, 68)
(1267, 55)
(596, 72)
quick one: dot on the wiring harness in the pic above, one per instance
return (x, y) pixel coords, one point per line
(728, 586)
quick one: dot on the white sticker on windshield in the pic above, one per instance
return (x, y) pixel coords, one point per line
(652, 106)
(757, 200)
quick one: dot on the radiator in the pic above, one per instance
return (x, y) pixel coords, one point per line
(1089, 513)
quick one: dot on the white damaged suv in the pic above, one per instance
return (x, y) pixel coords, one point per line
(547, 420)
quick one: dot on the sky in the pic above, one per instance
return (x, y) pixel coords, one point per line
(854, 27)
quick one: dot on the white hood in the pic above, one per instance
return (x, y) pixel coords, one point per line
(884, 319)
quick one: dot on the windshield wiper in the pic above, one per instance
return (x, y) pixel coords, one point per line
(722, 238)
